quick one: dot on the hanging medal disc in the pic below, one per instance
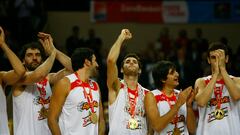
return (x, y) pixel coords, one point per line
(219, 114)
(133, 124)
(44, 112)
(94, 118)
(176, 131)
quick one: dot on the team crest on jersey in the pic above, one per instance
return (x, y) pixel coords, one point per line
(139, 111)
(86, 106)
(180, 118)
(39, 101)
(213, 101)
(44, 110)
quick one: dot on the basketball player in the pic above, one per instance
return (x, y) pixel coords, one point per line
(218, 96)
(76, 107)
(168, 110)
(126, 105)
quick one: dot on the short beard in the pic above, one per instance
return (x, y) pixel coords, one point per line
(130, 73)
(30, 67)
(95, 73)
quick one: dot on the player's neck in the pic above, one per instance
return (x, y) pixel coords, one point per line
(168, 91)
(219, 77)
(83, 75)
(131, 82)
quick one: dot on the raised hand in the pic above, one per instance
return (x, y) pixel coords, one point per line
(2, 36)
(191, 97)
(183, 96)
(47, 42)
(222, 59)
(215, 64)
(125, 34)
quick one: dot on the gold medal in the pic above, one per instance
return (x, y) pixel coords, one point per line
(44, 112)
(133, 124)
(94, 118)
(219, 114)
(176, 131)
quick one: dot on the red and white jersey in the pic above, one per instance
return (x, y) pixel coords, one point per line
(3, 114)
(164, 107)
(75, 115)
(208, 124)
(119, 113)
(28, 115)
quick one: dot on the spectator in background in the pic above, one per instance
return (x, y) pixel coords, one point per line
(200, 41)
(94, 43)
(24, 16)
(74, 41)
(184, 67)
(164, 42)
(182, 39)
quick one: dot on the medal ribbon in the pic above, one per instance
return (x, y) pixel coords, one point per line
(132, 101)
(42, 91)
(87, 96)
(218, 94)
(169, 99)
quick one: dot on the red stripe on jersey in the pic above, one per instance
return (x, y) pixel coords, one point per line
(122, 85)
(74, 84)
(94, 86)
(159, 98)
(163, 97)
(78, 83)
(218, 81)
(145, 92)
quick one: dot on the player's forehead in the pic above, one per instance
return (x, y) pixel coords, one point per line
(32, 50)
(130, 59)
(214, 52)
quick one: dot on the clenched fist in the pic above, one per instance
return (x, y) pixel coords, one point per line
(125, 34)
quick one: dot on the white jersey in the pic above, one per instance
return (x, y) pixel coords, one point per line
(208, 124)
(164, 107)
(119, 115)
(77, 109)
(3, 114)
(30, 108)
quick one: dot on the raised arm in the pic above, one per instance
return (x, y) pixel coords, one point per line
(61, 57)
(232, 84)
(60, 92)
(54, 77)
(157, 122)
(18, 71)
(112, 71)
(205, 91)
